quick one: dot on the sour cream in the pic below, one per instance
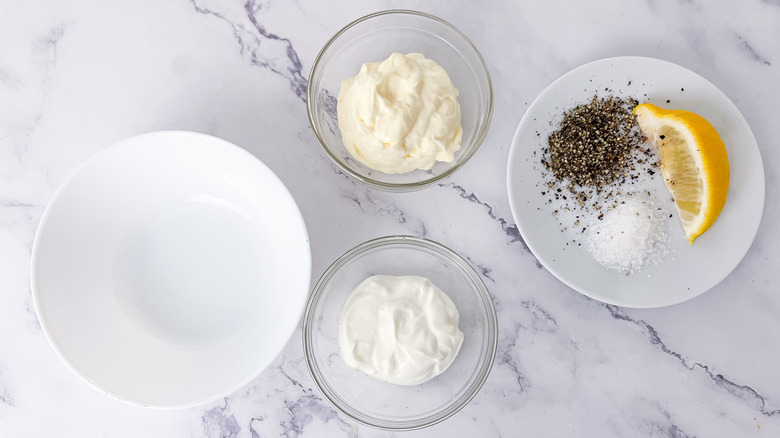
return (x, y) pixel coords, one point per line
(400, 115)
(400, 329)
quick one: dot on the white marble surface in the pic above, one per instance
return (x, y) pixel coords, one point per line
(77, 75)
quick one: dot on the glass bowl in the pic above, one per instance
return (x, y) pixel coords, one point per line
(374, 38)
(384, 405)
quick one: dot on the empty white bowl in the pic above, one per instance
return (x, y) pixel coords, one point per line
(170, 269)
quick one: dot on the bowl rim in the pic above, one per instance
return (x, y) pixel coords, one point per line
(316, 295)
(400, 187)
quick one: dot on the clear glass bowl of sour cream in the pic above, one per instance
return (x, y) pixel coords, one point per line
(378, 403)
(374, 38)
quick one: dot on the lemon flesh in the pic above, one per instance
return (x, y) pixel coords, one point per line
(694, 163)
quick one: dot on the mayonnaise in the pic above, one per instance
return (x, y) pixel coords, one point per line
(402, 330)
(400, 114)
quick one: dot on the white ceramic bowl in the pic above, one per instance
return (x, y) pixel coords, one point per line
(374, 38)
(381, 404)
(170, 269)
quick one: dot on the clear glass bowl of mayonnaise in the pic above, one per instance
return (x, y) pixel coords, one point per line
(374, 38)
(378, 403)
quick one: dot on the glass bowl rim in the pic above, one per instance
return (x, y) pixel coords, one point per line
(481, 289)
(400, 187)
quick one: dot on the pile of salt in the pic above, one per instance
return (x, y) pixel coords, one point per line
(631, 236)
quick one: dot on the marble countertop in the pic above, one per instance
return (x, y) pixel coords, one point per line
(77, 75)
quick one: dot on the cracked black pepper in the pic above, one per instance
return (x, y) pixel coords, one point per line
(594, 145)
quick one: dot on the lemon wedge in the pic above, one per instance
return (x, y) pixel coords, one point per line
(693, 161)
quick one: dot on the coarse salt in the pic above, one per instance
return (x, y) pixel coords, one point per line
(630, 237)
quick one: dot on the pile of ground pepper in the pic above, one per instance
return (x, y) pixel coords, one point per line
(596, 144)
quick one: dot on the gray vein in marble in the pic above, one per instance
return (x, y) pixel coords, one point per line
(423, 232)
(303, 410)
(252, 426)
(30, 307)
(670, 429)
(218, 422)
(17, 204)
(30, 217)
(485, 271)
(330, 108)
(540, 321)
(369, 204)
(5, 394)
(745, 46)
(45, 54)
(263, 48)
(291, 379)
(5, 398)
(293, 65)
(10, 80)
(49, 42)
(509, 230)
(665, 429)
(332, 357)
(504, 357)
(743, 392)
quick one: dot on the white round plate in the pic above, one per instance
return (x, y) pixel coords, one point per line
(689, 270)
(170, 269)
